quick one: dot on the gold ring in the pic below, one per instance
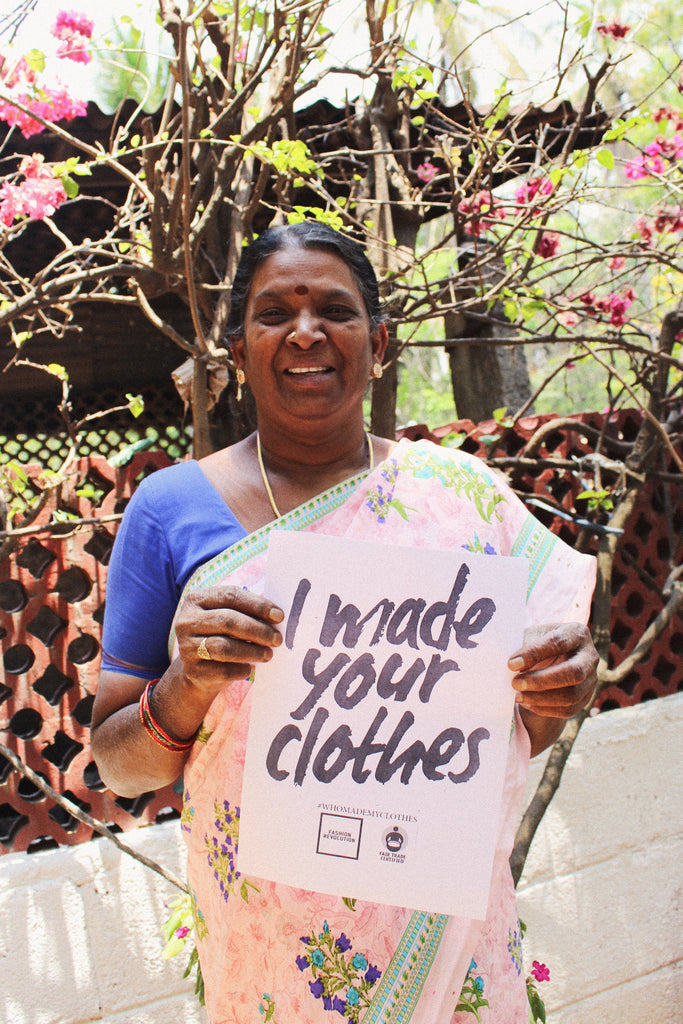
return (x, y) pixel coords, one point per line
(202, 652)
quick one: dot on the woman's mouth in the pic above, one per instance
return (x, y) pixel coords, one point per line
(302, 371)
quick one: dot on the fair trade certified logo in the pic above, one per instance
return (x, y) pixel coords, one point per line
(339, 836)
(394, 842)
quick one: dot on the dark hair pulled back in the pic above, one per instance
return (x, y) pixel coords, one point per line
(306, 235)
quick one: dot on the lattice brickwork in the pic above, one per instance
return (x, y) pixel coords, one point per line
(52, 597)
(51, 607)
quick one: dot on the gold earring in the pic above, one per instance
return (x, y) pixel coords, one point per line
(377, 370)
(241, 378)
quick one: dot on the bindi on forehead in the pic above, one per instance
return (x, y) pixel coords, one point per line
(301, 289)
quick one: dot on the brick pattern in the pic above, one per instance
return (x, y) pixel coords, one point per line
(52, 598)
(51, 607)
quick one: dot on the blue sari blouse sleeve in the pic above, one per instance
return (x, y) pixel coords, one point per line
(174, 522)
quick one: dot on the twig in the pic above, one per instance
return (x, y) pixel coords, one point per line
(98, 826)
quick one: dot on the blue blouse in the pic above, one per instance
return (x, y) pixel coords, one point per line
(174, 522)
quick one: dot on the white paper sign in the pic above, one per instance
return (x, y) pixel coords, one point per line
(379, 731)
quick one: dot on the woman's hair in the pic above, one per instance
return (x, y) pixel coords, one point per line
(307, 235)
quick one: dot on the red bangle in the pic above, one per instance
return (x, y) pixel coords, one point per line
(154, 730)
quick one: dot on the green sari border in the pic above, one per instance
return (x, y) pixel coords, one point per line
(403, 980)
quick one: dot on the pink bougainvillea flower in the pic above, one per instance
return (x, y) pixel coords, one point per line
(616, 305)
(668, 113)
(666, 220)
(36, 197)
(426, 171)
(480, 212)
(74, 30)
(527, 192)
(73, 21)
(614, 29)
(50, 104)
(548, 244)
(540, 971)
(616, 262)
(568, 318)
(644, 167)
(182, 933)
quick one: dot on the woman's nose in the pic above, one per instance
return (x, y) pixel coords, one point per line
(308, 331)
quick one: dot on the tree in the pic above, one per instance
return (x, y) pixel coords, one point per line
(503, 227)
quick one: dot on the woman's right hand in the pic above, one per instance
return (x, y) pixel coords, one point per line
(239, 630)
(222, 632)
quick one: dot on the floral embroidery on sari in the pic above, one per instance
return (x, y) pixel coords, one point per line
(222, 850)
(467, 481)
(472, 996)
(515, 949)
(341, 979)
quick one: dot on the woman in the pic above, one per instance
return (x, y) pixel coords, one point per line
(307, 335)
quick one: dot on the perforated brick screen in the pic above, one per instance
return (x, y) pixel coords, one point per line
(52, 597)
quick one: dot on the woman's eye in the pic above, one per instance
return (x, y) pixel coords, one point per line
(339, 313)
(273, 315)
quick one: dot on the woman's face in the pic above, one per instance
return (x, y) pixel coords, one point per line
(320, 372)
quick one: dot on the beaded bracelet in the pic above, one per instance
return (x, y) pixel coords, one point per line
(152, 727)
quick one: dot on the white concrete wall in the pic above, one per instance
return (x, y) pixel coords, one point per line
(80, 933)
(601, 889)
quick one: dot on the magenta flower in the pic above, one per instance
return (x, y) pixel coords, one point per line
(426, 171)
(182, 933)
(540, 971)
(74, 31)
(616, 262)
(528, 191)
(37, 197)
(548, 244)
(614, 29)
(480, 211)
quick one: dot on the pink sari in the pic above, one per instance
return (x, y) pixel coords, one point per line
(273, 953)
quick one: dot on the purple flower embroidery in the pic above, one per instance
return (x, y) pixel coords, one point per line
(372, 974)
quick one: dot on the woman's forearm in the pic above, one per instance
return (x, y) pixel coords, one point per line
(129, 760)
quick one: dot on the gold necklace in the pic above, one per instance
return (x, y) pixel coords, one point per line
(264, 475)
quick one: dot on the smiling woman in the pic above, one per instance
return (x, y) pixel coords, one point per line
(307, 336)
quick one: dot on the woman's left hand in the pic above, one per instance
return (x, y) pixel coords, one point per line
(556, 669)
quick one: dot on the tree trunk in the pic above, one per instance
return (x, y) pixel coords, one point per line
(485, 377)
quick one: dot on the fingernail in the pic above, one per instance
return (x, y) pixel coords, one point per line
(515, 664)
(276, 615)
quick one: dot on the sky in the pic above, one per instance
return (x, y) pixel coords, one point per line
(530, 39)
(349, 40)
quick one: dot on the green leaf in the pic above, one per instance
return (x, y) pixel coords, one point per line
(605, 157)
(136, 404)
(35, 60)
(173, 947)
(70, 186)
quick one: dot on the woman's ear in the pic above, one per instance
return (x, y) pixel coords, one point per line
(379, 339)
(237, 351)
